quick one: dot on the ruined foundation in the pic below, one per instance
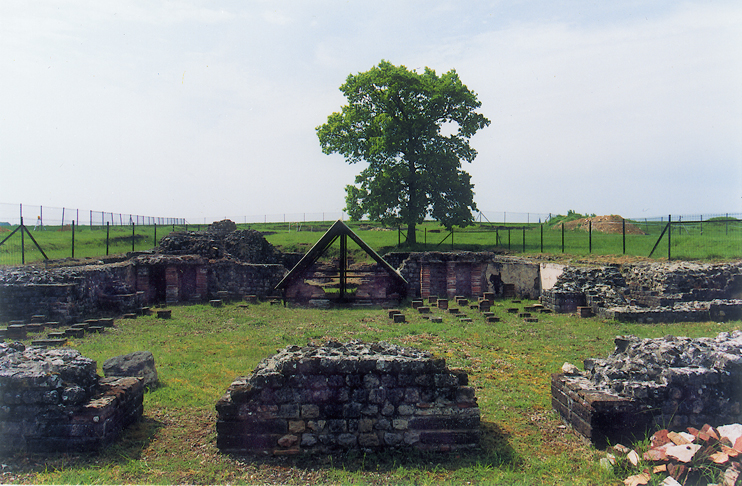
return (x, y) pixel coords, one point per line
(338, 397)
(651, 292)
(52, 401)
(649, 384)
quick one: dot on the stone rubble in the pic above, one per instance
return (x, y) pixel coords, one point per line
(221, 240)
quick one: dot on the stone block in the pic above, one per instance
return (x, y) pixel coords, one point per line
(139, 364)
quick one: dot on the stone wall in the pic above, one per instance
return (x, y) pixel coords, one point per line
(468, 274)
(651, 292)
(332, 398)
(670, 382)
(52, 400)
(67, 294)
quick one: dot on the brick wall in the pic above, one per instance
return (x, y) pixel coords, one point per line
(348, 396)
(53, 401)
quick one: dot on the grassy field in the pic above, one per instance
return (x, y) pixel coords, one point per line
(716, 240)
(202, 349)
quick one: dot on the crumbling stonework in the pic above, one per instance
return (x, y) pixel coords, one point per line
(52, 400)
(651, 292)
(336, 397)
(69, 294)
(469, 274)
(221, 240)
(647, 384)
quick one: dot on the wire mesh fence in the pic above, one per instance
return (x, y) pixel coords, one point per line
(40, 216)
(713, 236)
(68, 233)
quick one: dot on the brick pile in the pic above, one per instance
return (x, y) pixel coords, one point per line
(336, 397)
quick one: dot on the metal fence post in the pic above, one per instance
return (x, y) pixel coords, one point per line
(23, 246)
(590, 236)
(133, 230)
(562, 237)
(669, 236)
(73, 239)
(108, 235)
(623, 231)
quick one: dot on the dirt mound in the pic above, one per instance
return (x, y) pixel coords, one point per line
(603, 224)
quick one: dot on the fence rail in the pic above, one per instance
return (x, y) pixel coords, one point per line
(102, 233)
(39, 216)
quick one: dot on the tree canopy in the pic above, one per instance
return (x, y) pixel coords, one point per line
(413, 130)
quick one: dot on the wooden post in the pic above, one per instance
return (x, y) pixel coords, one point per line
(73, 239)
(343, 264)
(133, 230)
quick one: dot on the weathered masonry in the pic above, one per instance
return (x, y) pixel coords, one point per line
(65, 294)
(52, 401)
(650, 292)
(643, 292)
(337, 397)
(646, 384)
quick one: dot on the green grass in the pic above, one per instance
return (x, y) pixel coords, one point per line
(712, 240)
(202, 349)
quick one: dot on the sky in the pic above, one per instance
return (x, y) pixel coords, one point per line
(205, 110)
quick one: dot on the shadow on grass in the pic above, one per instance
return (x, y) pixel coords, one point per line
(494, 452)
(128, 447)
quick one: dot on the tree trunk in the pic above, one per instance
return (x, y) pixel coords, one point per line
(411, 234)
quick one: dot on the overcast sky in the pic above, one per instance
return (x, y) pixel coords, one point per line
(206, 110)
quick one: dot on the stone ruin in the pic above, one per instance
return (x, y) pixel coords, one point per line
(337, 397)
(650, 292)
(53, 401)
(221, 240)
(646, 384)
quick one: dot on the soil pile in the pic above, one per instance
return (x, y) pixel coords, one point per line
(603, 224)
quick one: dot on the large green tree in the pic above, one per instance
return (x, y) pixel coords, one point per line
(413, 130)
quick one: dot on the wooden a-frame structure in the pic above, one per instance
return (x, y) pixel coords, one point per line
(338, 230)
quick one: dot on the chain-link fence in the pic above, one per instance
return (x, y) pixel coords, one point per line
(62, 233)
(713, 236)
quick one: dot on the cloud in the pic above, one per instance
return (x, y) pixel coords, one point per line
(191, 107)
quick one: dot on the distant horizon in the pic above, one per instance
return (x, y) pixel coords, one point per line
(52, 216)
